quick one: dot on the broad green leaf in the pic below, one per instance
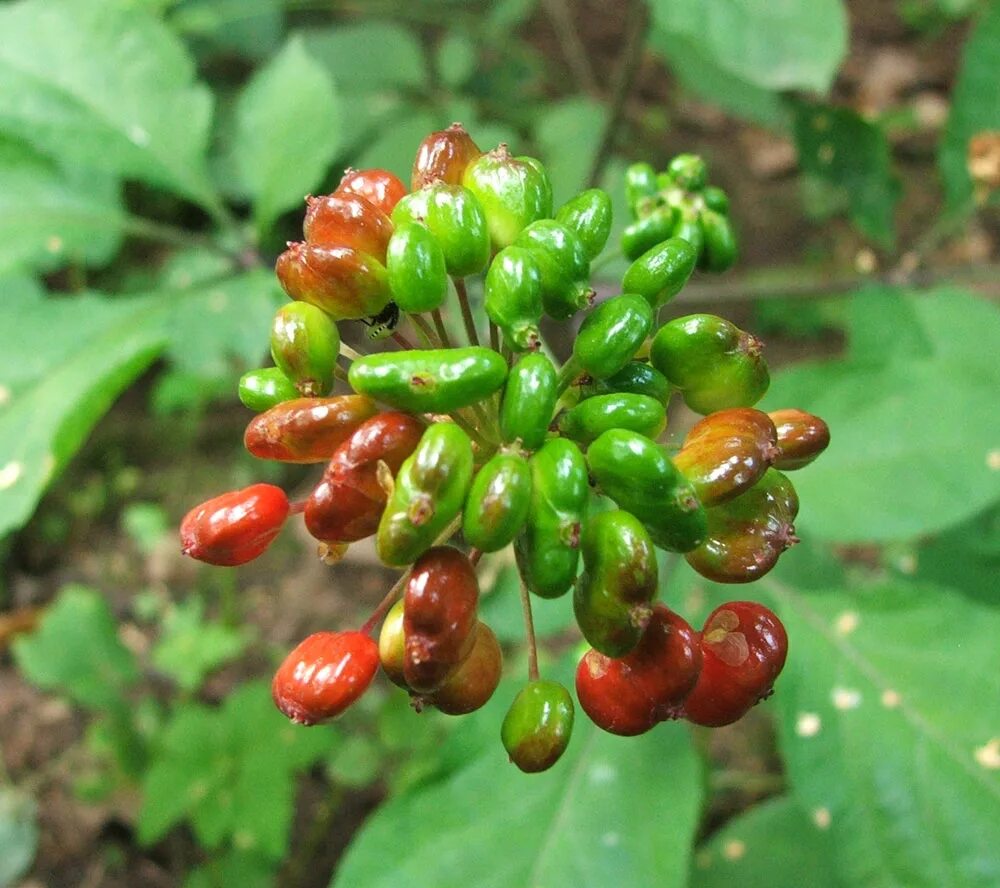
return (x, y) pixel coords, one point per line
(191, 647)
(594, 819)
(76, 651)
(251, 27)
(851, 155)
(456, 59)
(716, 84)
(914, 440)
(230, 772)
(965, 557)
(49, 216)
(18, 835)
(288, 131)
(890, 734)
(501, 605)
(773, 845)
(69, 361)
(218, 327)
(577, 122)
(369, 56)
(778, 45)
(975, 104)
(104, 84)
(234, 867)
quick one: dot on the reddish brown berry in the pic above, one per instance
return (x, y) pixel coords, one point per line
(443, 157)
(801, 437)
(306, 430)
(439, 616)
(342, 281)
(475, 679)
(744, 646)
(324, 675)
(379, 187)
(348, 503)
(347, 220)
(236, 527)
(631, 694)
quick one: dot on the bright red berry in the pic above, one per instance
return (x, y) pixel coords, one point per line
(236, 527)
(347, 220)
(744, 646)
(629, 695)
(324, 675)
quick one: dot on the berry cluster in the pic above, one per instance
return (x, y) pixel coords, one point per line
(499, 443)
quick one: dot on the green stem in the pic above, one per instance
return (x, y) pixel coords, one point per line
(494, 337)
(467, 318)
(442, 330)
(349, 352)
(402, 341)
(424, 329)
(529, 630)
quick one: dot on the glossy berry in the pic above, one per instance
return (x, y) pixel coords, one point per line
(472, 683)
(439, 617)
(628, 696)
(305, 344)
(801, 438)
(443, 157)
(377, 186)
(392, 645)
(744, 646)
(347, 220)
(344, 282)
(324, 675)
(538, 726)
(306, 430)
(236, 527)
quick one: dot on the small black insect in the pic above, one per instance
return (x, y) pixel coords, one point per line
(381, 325)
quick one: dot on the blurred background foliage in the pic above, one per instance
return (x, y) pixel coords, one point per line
(153, 159)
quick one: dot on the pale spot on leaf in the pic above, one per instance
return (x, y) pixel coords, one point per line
(138, 135)
(989, 755)
(808, 724)
(846, 698)
(218, 301)
(54, 244)
(907, 564)
(10, 473)
(890, 698)
(847, 622)
(993, 460)
(4, 395)
(734, 849)
(821, 817)
(602, 772)
(610, 839)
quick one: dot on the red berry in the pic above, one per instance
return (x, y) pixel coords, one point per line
(443, 157)
(629, 695)
(236, 527)
(744, 646)
(342, 281)
(324, 675)
(439, 617)
(347, 220)
(379, 187)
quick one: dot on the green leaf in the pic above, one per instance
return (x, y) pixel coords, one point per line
(250, 27)
(914, 446)
(230, 772)
(395, 146)
(69, 361)
(146, 524)
(594, 819)
(456, 59)
(105, 85)
(501, 605)
(773, 845)
(706, 79)
(217, 327)
(191, 647)
(888, 726)
(369, 56)
(18, 835)
(76, 651)
(287, 131)
(975, 104)
(852, 156)
(778, 45)
(577, 122)
(49, 216)
(234, 867)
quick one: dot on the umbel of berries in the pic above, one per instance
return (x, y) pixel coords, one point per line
(453, 437)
